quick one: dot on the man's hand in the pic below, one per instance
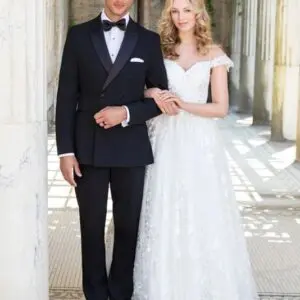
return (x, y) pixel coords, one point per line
(111, 116)
(69, 165)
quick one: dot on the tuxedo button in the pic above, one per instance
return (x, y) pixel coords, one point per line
(102, 95)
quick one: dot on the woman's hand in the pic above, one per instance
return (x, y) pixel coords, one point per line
(167, 108)
(168, 97)
(155, 94)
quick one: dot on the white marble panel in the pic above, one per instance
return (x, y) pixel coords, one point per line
(23, 151)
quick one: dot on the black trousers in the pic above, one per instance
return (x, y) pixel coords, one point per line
(127, 186)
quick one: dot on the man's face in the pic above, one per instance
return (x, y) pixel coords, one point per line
(116, 9)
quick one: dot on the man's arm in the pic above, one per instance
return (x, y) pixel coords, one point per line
(156, 76)
(67, 97)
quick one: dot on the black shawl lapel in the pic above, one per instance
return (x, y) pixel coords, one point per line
(98, 40)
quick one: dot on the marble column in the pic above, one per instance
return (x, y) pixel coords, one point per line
(298, 135)
(236, 43)
(298, 128)
(264, 62)
(134, 11)
(222, 18)
(61, 28)
(249, 18)
(156, 10)
(23, 151)
(286, 71)
(51, 57)
(144, 13)
(57, 27)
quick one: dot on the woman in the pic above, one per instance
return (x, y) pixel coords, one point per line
(191, 245)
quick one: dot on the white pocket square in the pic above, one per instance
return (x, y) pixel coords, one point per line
(137, 59)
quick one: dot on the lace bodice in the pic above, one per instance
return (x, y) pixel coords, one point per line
(192, 85)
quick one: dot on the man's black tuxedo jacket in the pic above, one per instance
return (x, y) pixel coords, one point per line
(89, 82)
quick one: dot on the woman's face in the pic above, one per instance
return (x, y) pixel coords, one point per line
(183, 15)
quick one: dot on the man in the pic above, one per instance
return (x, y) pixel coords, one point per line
(102, 136)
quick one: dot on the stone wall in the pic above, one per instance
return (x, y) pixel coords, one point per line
(83, 10)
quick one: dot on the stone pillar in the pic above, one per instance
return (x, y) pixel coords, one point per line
(236, 43)
(298, 134)
(298, 129)
(156, 10)
(286, 71)
(59, 28)
(134, 11)
(149, 13)
(51, 58)
(249, 18)
(144, 13)
(264, 62)
(222, 19)
(23, 151)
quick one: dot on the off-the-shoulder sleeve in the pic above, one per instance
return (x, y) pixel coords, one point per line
(222, 60)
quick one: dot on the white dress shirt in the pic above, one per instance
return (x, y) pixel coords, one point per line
(113, 39)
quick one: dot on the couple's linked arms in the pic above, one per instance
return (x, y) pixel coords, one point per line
(156, 76)
(219, 90)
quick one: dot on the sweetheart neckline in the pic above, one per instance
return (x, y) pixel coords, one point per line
(193, 65)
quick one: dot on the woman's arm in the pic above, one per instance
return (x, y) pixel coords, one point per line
(220, 102)
(166, 108)
(219, 90)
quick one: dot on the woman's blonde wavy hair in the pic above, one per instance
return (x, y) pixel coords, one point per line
(169, 33)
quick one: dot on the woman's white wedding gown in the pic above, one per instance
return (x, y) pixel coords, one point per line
(191, 245)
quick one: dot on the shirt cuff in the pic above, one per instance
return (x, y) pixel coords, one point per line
(66, 154)
(126, 122)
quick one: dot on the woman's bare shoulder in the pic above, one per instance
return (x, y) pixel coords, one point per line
(215, 51)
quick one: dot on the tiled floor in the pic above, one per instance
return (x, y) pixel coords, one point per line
(267, 186)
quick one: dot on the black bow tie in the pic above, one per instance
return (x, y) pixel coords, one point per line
(107, 25)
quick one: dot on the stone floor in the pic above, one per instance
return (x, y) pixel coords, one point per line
(267, 186)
